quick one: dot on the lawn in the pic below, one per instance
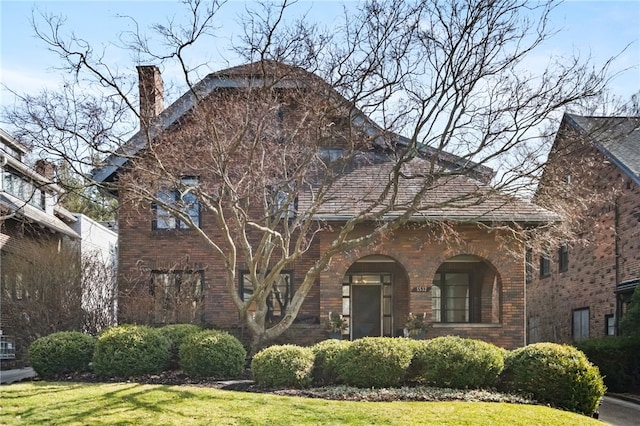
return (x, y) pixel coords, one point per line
(131, 403)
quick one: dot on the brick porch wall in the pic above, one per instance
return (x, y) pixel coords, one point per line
(415, 250)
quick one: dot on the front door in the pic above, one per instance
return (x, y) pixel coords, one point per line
(366, 310)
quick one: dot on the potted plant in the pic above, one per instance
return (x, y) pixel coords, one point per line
(416, 326)
(337, 325)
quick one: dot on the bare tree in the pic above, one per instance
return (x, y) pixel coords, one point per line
(47, 287)
(453, 77)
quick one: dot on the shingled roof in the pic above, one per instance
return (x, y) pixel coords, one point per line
(246, 76)
(618, 138)
(450, 197)
(465, 196)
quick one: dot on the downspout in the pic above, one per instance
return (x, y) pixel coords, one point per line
(4, 164)
(616, 226)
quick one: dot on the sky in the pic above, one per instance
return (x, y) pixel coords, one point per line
(600, 29)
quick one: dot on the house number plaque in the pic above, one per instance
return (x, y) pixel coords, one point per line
(421, 289)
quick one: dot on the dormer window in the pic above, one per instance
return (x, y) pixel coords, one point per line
(23, 189)
(13, 152)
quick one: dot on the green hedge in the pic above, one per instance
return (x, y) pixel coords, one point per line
(618, 359)
(375, 362)
(212, 353)
(559, 375)
(60, 353)
(325, 367)
(176, 334)
(456, 362)
(130, 350)
(283, 365)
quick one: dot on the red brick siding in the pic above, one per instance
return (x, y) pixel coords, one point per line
(418, 254)
(590, 280)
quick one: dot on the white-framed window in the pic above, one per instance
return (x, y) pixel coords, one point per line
(580, 324)
(24, 189)
(177, 296)
(182, 199)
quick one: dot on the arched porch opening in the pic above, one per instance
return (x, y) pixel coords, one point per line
(466, 289)
(374, 293)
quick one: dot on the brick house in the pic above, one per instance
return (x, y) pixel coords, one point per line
(38, 234)
(580, 290)
(28, 212)
(471, 284)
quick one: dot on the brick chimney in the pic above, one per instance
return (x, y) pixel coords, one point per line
(45, 168)
(151, 90)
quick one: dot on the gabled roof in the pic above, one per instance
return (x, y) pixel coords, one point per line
(618, 138)
(489, 205)
(279, 75)
(11, 204)
(11, 142)
(32, 214)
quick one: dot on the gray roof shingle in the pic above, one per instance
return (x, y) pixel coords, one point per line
(450, 197)
(618, 138)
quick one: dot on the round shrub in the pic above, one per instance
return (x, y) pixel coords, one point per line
(375, 362)
(618, 360)
(559, 375)
(176, 334)
(212, 353)
(325, 366)
(130, 350)
(60, 353)
(456, 362)
(283, 365)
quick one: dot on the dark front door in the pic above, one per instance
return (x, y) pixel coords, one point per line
(365, 316)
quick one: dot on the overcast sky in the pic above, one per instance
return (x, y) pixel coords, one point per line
(598, 28)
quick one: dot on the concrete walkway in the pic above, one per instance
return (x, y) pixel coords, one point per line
(10, 376)
(619, 412)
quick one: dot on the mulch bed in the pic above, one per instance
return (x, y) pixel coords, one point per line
(245, 384)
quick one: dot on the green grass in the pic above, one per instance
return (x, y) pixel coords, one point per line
(135, 404)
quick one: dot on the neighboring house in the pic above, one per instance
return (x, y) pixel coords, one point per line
(581, 290)
(98, 249)
(29, 211)
(36, 230)
(472, 285)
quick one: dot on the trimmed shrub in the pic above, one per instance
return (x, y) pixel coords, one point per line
(212, 353)
(325, 367)
(618, 359)
(283, 365)
(559, 375)
(61, 353)
(176, 333)
(456, 362)
(630, 321)
(375, 362)
(130, 350)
